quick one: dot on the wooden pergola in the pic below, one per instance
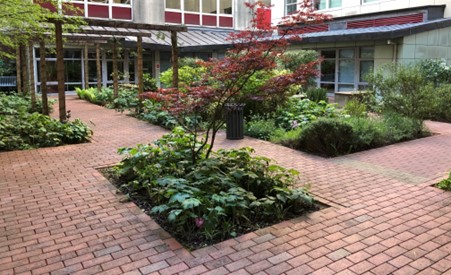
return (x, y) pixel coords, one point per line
(99, 31)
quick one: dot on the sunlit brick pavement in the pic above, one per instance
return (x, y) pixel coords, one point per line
(58, 215)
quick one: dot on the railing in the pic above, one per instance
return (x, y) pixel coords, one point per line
(7, 81)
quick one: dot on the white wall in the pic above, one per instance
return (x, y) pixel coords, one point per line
(148, 11)
(434, 44)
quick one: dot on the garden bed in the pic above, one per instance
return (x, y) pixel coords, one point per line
(211, 199)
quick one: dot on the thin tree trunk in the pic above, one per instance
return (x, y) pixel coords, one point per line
(140, 70)
(115, 71)
(175, 60)
(99, 68)
(32, 83)
(86, 67)
(43, 74)
(60, 71)
(18, 72)
(24, 69)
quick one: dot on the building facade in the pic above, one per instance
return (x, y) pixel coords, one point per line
(363, 36)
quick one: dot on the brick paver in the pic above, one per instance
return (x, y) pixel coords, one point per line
(59, 215)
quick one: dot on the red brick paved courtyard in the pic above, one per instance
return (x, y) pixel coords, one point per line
(59, 215)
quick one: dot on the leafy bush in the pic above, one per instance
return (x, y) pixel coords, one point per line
(286, 138)
(445, 184)
(337, 136)
(441, 104)
(259, 127)
(149, 83)
(435, 71)
(153, 113)
(189, 75)
(21, 129)
(404, 90)
(327, 137)
(316, 94)
(300, 112)
(355, 108)
(215, 198)
(15, 104)
(127, 97)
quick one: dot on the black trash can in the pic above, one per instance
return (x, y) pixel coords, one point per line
(235, 121)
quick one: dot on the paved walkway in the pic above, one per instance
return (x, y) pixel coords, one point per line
(58, 215)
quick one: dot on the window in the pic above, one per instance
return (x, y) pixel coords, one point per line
(211, 13)
(368, 1)
(345, 69)
(291, 6)
(326, 4)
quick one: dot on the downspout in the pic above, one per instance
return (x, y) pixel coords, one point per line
(395, 50)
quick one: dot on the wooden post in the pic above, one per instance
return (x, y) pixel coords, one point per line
(18, 72)
(43, 74)
(99, 68)
(24, 69)
(60, 71)
(31, 72)
(140, 65)
(85, 67)
(115, 71)
(175, 60)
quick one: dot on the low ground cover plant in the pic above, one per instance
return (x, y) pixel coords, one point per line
(445, 184)
(21, 128)
(214, 198)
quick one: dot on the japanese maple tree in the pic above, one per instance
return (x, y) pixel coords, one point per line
(253, 50)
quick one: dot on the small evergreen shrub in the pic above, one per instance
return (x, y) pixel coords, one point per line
(316, 94)
(261, 128)
(327, 137)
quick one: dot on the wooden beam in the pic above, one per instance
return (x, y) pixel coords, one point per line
(85, 67)
(99, 68)
(24, 69)
(31, 72)
(18, 72)
(115, 71)
(140, 65)
(43, 76)
(60, 70)
(175, 60)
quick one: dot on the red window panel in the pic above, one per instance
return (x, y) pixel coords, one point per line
(47, 5)
(263, 18)
(315, 28)
(387, 21)
(74, 9)
(208, 20)
(122, 13)
(98, 11)
(192, 19)
(226, 22)
(173, 17)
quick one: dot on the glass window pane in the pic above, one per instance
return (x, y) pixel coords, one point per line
(329, 87)
(345, 88)
(92, 71)
(173, 4)
(225, 6)
(328, 54)
(98, 1)
(320, 4)
(347, 53)
(192, 5)
(365, 68)
(125, 2)
(334, 4)
(209, 6)
(346, 71)
(72, 70)
(368, 1)
(328, 70)
(367, 52)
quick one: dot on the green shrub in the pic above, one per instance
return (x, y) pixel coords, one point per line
(149, 83)
(355, 108)
(404, 90)
(441, 107)
(26, 131)
(369, 133)
(327, 137)
(400, 128)
(445, 184)
(188, 76)
(316, 94)
(259, 127)
(300, 112)
(214, 198)
(435, 71)
(286, 138)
